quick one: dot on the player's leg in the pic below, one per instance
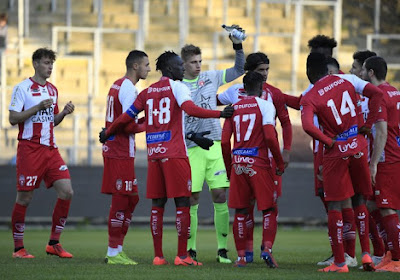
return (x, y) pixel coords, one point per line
(250, 232)
(197, 166)
(218, 184)
(133, 201)
(390, 221)
(18, 223)
(374, 231)
(349, 234)
(239, 234)
(157, 193)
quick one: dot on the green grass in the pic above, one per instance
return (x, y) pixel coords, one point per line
(296, 251)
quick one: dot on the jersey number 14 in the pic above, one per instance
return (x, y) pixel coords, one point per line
(346, 107)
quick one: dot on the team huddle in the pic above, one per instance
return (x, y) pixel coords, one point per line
(356, 151)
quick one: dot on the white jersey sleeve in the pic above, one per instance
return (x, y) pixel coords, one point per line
(268, 111)
(310, 86)
(17, 99)
(358, 83)
(127, 94)
(231, 95)
(181, 92)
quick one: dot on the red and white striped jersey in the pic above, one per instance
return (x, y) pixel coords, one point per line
(121, 96)
(38, 128)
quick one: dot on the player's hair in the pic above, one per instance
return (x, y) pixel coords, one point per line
(378, 64)
(163, 59)
(43, 52)
(255, 59)
(316, 66)
(189, 50)
(322, 41)
(361, 56)
(332, 61)
(134, 56)
(3, 17)
(252, 81)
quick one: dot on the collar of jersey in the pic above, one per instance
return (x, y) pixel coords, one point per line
(191, 81)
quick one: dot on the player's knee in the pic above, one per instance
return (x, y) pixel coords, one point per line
(66, 194)
(24, 198)
(219, 195)
(194, 198)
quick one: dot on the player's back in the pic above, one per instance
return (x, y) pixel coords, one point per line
(164, 119)
(335, 101)
(392, 100)
(250, 114)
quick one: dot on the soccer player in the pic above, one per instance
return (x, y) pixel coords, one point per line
(385, 160)
(119, 178)
(34, 107)
(168, 174)
(374, 217)
(345, 167)
(259, 62)
(248, 167)
(205, 152)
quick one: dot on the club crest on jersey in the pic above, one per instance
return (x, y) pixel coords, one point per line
(63, 221)
(120, 215)
(35, 90)
(189, 184)
(118, 184)
(20, 227)
(21, 180)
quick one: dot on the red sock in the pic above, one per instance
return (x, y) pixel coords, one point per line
(349, 232)
(239, 233)
(361, 216)
(270, 226)
(60, 215)
(18, 224)
(133, 201)
(392, 227)
(376, 214)
(182, 227)
(156, 226)
(376, 239)
(335, 229)
(116, 217)
(250, 229)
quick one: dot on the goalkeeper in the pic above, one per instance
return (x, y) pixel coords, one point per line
(204, 142)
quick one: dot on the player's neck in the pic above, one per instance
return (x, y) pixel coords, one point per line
(133, 78)
(39, 80)
(377, 82)
(186, 76)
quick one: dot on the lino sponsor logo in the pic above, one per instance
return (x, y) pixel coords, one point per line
(156, 137)
(156, 150)
(240, 159)
(348, 146)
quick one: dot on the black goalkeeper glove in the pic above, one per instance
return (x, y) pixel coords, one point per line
(102, 136)
(200, 140)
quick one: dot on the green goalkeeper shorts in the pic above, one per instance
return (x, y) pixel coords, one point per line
(207, 165)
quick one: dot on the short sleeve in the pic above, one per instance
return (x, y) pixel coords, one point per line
(181, 92)
(358, 83)
(268, 111)
(17, 99)
(127, 94)
(231, 95)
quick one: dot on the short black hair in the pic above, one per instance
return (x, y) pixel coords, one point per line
(361, 56)
(378, 64)
(316, 66)
(163, 59)
(43, 52)
(255, 59)
(322, 41)
(332, 61)
(134, 56)
(252, 81)
(189, 50)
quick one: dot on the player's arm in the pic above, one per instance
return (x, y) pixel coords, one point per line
(307, 114)
(287, 134)
(227, 130)
(270, 137)
(16, 117)
(375, 95)
(379, 145)
(292, 101)
(229, 96)
(135, 127)
(238, 69)
(191, 109)
(68, 109)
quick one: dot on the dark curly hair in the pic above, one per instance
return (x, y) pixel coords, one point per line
(162, 60)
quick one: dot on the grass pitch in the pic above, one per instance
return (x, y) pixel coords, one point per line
(295, 250)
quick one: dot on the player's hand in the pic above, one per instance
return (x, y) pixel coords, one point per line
(332, 144)
(69, 108)
(103, 135)
(227, 112)
(234, 39)
(321, 192)
(201, 141)
(372, 170)
(364, 130)
(44, 104)
(279, 171)
(286, 157)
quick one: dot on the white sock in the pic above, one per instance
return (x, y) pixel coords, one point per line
(112, 252)
(119, 248)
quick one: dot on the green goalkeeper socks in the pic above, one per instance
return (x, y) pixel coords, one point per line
(221, 222)
(191, 244)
